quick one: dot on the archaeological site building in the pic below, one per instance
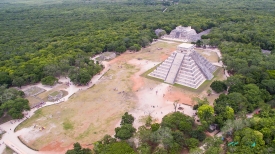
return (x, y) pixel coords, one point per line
(186, 34)
(185, 67)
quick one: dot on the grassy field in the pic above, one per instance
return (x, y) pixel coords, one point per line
(87, 113)
(33, 101)
(90, 114)
(166, 50)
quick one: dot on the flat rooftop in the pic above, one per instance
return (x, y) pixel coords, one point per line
(186, 45)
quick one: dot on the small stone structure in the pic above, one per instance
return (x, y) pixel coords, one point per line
(266, 51)
(158, 31)
(185, 67)
(186, 34)
(55, 96)
(107, 56)
(33, 91)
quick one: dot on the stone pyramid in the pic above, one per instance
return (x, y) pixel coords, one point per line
(185, 67)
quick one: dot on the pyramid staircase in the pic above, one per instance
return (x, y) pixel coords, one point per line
(189, 69)
(176, 64)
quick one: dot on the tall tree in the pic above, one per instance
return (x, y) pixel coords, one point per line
(218, 86)
(5, 79)
(79, 150)
(125, 132)
(127, 119)
(206, 113)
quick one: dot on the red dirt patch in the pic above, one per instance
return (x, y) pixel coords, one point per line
(177, 95)
(55, 147)
(137, 82)
(163, 57)
(121, 58)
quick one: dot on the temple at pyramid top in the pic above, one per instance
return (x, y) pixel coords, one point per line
(185, 67)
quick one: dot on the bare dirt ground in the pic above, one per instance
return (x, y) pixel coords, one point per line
(90, 114)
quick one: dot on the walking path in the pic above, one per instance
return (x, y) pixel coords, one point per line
(10, 138)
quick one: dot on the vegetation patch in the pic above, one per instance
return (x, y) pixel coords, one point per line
(8, 150)
(68, 125)
(271, 73)
(2, 133)
(86, 132)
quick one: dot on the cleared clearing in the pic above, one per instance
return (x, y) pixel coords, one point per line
(92, 113)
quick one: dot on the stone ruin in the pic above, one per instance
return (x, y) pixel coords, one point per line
(159, 31)
(33, 91)
(55, 96)
(186, 34)
(107, 56)
(185, 67)
(266, 51)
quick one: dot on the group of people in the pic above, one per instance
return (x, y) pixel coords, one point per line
(68, 83)
(40, 128)
(39, 105)
(60, 100)
(14, 121)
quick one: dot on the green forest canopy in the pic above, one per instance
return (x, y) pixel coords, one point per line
(35, 36)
